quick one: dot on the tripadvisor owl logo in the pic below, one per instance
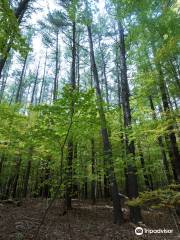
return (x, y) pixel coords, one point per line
(139, 231)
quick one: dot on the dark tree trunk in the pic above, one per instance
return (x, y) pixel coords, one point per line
(1, 163)
(69, 175)
(8, 187)
(27, 174)
(18, 94)
(70, 141)
(93, 182)
(3, 60)
(131, 177)
(175, 73)
(119, 90)
(85, 188)
(118, 215)
(146, 177)
(46, 189)
(99, 188)
(5, 77)
(21, 9)
(104, 75)
(19, 13)
(16, 177)
(2, 159)
(172, 137)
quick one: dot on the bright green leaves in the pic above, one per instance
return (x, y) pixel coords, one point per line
(10, 35)
(54, 120)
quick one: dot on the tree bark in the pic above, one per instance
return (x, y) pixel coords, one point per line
(43, 80)
(16, 177)
(131, 177)
(55, 90)
(27, 174)
(172, 137)
(160, 142)
(35, 84)
(70, 141)
(18, 94)
(118, 215)
(93, 182)
(19, 13)
(104, 71)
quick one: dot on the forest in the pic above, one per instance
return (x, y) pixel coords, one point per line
(89, 119)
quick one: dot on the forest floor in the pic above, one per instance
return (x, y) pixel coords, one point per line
(84, 222)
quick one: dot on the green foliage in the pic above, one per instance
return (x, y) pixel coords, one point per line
(10, 34)
(167, 198)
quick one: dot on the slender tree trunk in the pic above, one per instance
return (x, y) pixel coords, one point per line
(5, 77)
(175, 73)
(172, 137)
(18, 99)
(43, 80)
(78, 62)
(146, 177)
(35, 84)
(118, 215)
(104, 71)
(55, 90)
(46, 192)
(70, 141)
(119, 90)
(85, 188)
(16, 178)
(93, 182)
(69, 175)
(2, 159)
(27, 174)
(160, 142)
(131, 177)
(3, 59)
(8, 187)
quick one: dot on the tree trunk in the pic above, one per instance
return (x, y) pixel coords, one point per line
(78, 63)
(1, 167)
(70, 141)
(118, 215)
(172, 137)
(46, 192)
(8, 187)
(93, 182)
(27, 174)
(131, 177)
(104, 71)
(17, 99)
(160, 142)
(19, 13)
(14, 189)
(146, 177)
(43, 80)
(5, 77)
(55, 90)
(69, 175)
(35, 84)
